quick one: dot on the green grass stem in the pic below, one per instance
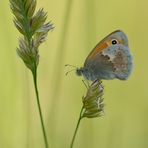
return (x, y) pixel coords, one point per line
(39, 106)
(76, 130)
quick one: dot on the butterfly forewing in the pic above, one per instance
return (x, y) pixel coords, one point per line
(106, 42)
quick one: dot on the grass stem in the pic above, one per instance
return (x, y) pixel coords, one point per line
(77, 126)
(39, 106)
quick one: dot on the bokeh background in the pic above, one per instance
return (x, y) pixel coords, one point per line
(79, 26)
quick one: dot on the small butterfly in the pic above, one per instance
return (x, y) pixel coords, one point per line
(110, 59)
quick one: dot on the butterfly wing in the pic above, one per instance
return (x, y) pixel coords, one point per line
(108, 60)
(100, 67)
(122, 62)
(106, 42)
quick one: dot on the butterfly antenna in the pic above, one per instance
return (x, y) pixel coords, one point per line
(70, 65)
(69, 71)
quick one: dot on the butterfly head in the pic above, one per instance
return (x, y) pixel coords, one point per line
(79, 71)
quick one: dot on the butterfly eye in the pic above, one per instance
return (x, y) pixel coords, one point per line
(114, 41)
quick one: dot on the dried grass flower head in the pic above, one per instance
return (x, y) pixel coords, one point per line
(33, 28)
(93, 105)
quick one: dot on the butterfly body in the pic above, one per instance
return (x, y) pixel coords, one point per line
(110, 59)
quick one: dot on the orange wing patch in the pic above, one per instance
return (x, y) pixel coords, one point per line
(97, 49)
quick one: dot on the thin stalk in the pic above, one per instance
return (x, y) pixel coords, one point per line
(39, 106)
(77, 126)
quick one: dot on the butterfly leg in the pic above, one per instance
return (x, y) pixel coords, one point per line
(86, 83)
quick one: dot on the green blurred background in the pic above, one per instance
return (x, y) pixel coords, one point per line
(79, 26)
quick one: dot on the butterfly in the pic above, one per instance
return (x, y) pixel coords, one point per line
(110, 59)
